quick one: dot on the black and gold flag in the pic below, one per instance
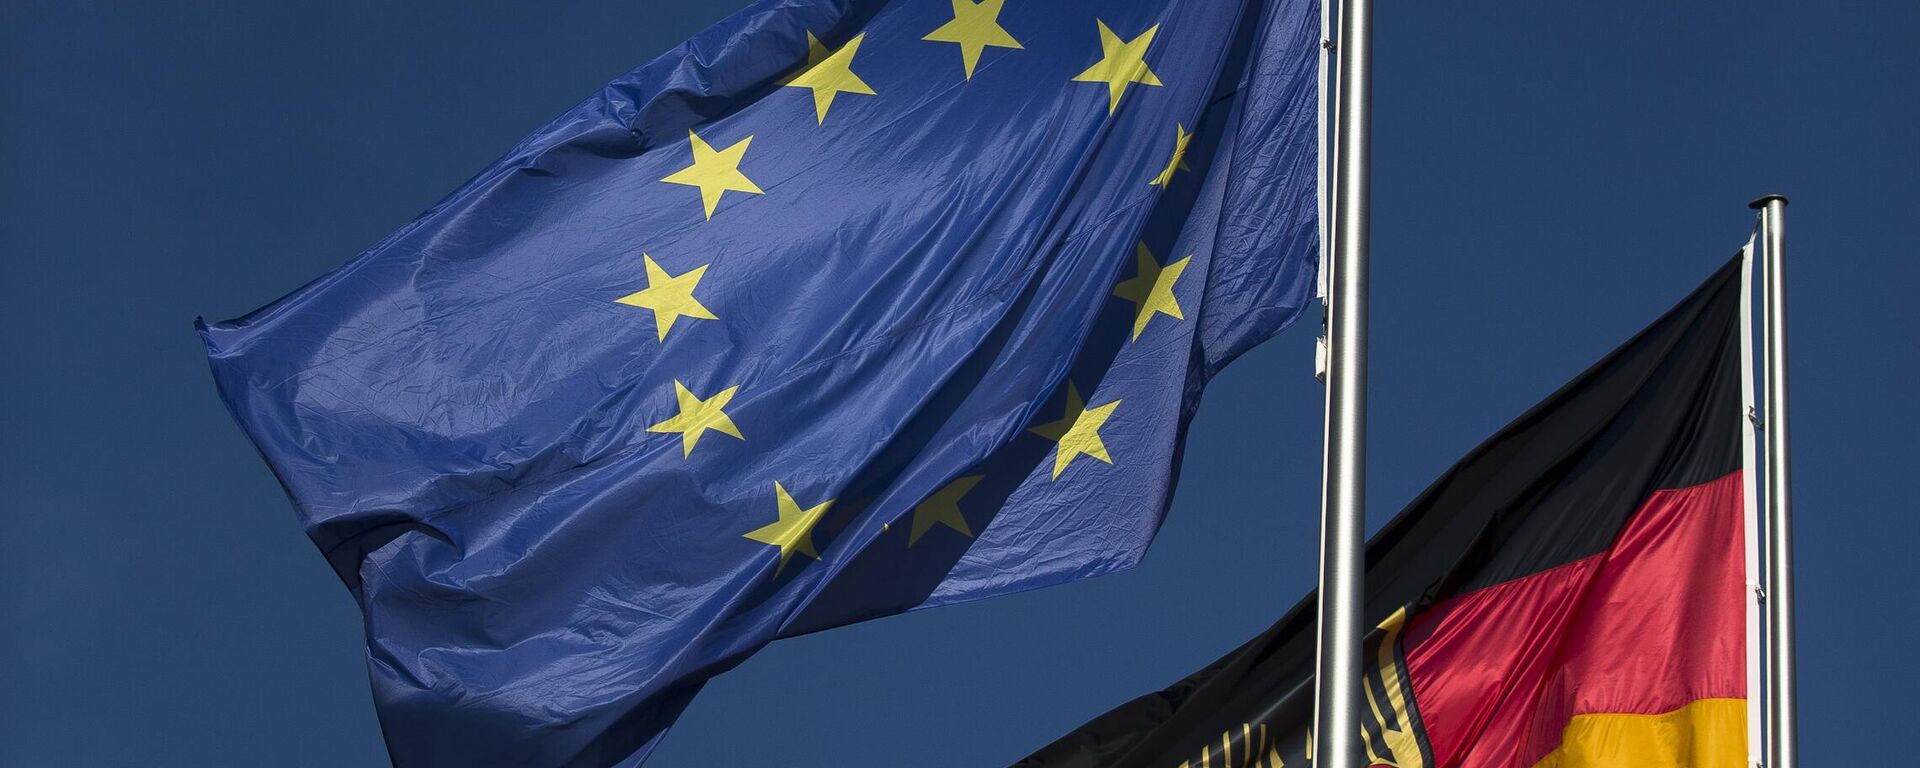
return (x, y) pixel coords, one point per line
(1569, 594)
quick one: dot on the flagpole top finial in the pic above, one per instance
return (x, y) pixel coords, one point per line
(1764, 199)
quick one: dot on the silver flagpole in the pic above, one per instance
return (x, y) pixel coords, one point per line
(1336, 729)
(1782, 728)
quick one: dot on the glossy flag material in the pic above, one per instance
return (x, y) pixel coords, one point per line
(839, 309)
(1570, 594)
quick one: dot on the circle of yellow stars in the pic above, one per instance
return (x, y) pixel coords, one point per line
(827, 74)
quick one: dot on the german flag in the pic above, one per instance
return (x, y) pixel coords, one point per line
(1568, 595)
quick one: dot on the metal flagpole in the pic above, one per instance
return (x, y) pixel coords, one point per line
(1336, 729)
(1782, 729)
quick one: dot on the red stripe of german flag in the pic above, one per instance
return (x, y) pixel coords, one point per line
(1569, 594)
(1639, 650)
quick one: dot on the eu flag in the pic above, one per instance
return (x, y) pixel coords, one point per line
(841, 308)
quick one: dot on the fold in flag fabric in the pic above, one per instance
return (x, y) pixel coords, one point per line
(1570, 594)
(839, 309)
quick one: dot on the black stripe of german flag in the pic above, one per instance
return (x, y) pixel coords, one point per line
(1568, 594)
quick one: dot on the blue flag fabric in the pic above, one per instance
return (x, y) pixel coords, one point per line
(839, 309)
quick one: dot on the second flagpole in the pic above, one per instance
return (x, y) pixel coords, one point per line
(1336, 729)
(1782, 728)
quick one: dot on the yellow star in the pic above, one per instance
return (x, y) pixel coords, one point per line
(793, 532)
(943, 507)
(1121, 64)
(715, 172)
(1078, 432)
(697, 416)
(975, 26)
(669, 296)
(1151, 290)
(829, 73)
(816, 52)
(1179, 162)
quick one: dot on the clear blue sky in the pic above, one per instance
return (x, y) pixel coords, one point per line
(1548, 177)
